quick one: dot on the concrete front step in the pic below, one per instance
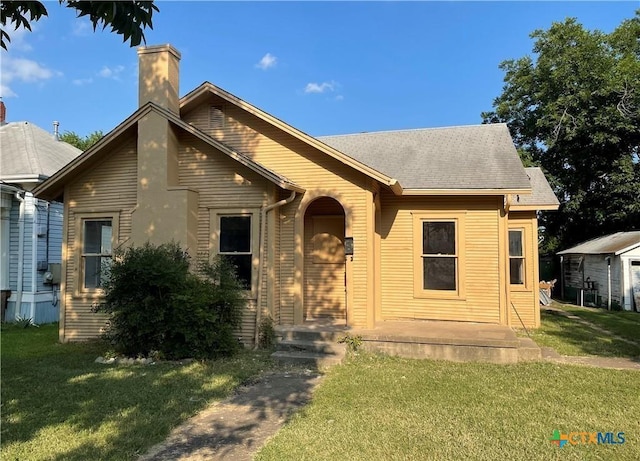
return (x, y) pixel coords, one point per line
(309, 359)
(321, 347)
(313, 345)
(310, 333)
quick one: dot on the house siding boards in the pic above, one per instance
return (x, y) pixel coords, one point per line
(524, 299)
(285, 263)
(319, 174)
(224, 186)
(481, 260)
(108, 187)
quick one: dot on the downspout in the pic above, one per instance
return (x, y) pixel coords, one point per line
(263, 231)
(34, 260)
(20, 254)
(506, 276)
(608, 282)
(562, 277)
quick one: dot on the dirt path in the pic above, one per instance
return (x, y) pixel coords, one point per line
(618, 363)
(236, 428)
(558, 311)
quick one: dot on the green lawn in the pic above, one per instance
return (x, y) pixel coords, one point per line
(570, 337)
(382, 408)
(622, 323)
(57, 404)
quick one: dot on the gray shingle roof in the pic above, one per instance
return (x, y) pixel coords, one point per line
(466, 157)
(541, 193)
(27, 150)
(617, 243)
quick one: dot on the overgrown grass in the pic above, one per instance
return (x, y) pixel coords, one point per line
(622, 323)
(382, 408)
(570, 337)
(57, 404)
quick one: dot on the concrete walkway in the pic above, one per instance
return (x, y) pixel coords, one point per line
(238, 427)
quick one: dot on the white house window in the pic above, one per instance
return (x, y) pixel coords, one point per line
(439, 255)
(236, 245)
(96, 250)
(516, 257)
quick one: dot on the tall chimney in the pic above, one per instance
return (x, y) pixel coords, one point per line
(56, 130)
(159, 72)
(3, 113)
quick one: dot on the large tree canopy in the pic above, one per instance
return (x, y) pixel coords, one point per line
(574, 109)
(78, 141)
(126, 18)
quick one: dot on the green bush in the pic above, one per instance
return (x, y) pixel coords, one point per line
(157, 304)
(266, 333)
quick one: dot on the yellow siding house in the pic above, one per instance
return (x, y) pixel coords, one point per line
(356, 229)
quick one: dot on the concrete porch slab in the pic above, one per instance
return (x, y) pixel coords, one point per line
(456, 341)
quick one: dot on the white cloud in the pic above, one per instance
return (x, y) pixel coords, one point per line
(6, 92)
(339, 97)
(22, 70)
(268, 61)
(320, 87)
(81, 28)
(111, 72)
(18, 36)
(82, 81)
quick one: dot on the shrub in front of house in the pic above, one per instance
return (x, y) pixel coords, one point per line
(156, 303)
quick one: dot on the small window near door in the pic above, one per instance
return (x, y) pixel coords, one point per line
(516, 257)
(235, 245)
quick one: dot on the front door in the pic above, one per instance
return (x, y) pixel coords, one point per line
(324, 268)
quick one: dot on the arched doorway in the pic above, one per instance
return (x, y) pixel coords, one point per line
(324, 261)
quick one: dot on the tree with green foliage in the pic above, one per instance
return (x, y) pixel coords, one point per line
(126, 18)
(574, 110)
(78, 141)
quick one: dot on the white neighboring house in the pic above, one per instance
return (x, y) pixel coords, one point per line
(30, 228)
(608, 266)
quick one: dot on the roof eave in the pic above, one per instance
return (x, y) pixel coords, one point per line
(464, 191)
(20, 178)
(256, 167)
(629, 248)
(54, 186)
(535, 207)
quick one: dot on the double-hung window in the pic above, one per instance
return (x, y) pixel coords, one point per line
(516, 257)
(439, 255)
(236, 245)
(97, 247)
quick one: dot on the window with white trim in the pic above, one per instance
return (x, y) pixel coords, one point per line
(516, 256)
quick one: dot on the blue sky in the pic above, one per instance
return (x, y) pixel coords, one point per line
(323, 67)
